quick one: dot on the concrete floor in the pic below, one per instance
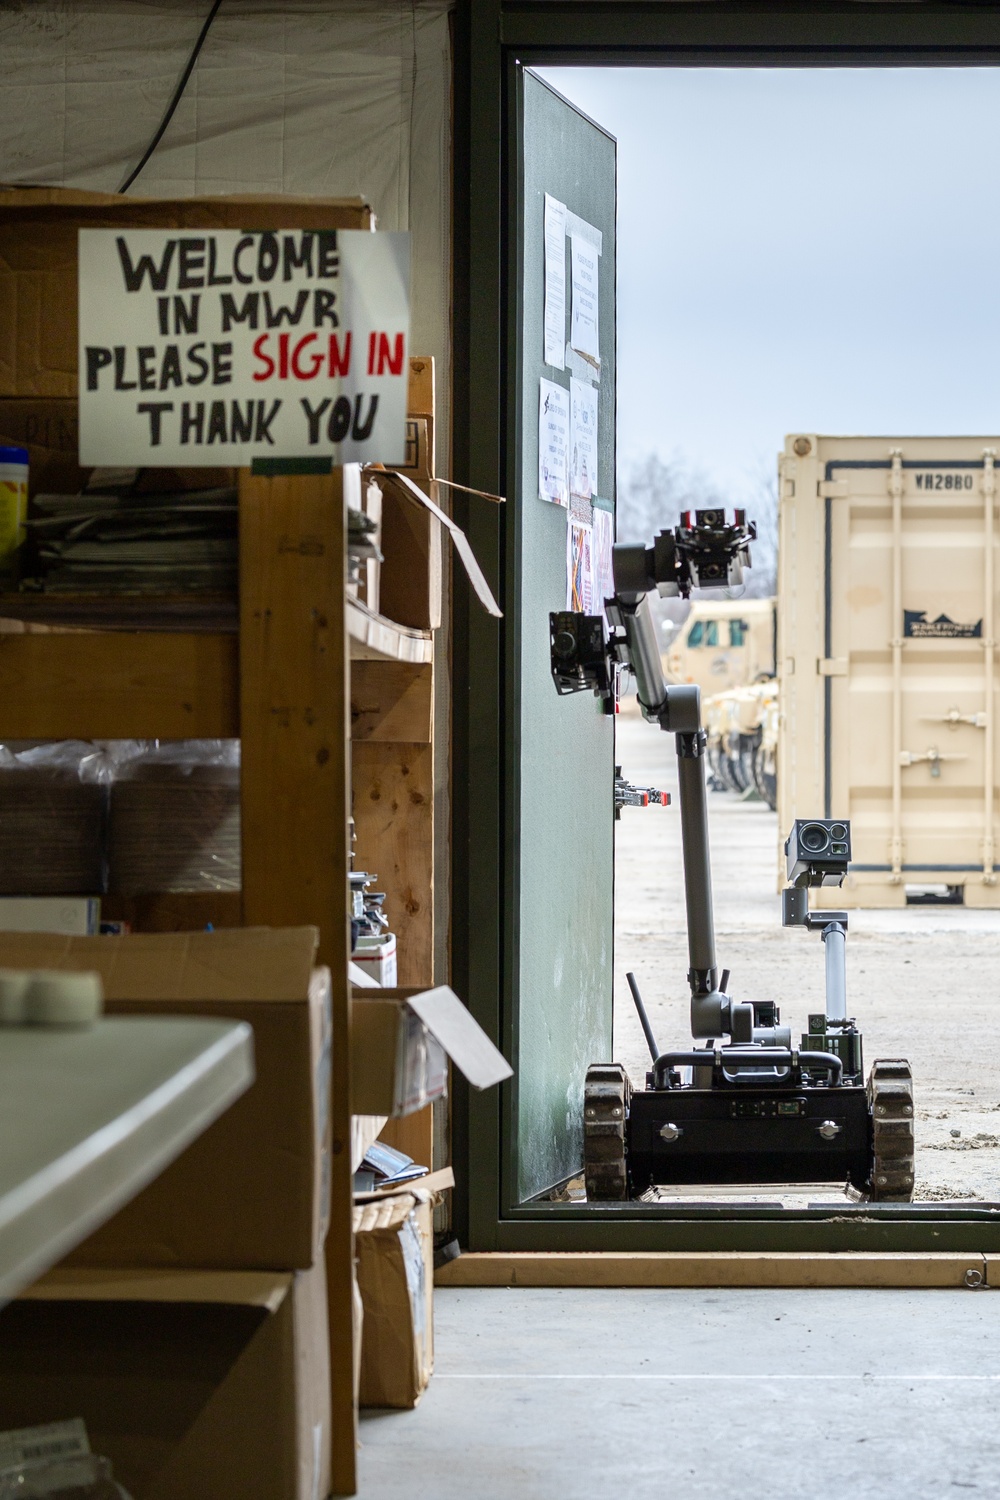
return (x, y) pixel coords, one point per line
(922, 981)
(698, 1395)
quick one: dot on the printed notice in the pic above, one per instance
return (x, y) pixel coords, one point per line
(585, 334)
(215, 347)
(579, 567)
(553, 442)
(601, 554)
(555, 282)
(583, 438)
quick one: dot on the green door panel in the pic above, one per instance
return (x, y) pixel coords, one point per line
(564, 747)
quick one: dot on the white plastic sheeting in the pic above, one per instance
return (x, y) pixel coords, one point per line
(326, 97)
(339, 98)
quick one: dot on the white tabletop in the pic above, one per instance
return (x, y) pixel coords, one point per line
(87, 1118)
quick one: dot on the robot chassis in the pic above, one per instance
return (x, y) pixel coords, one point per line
(757, 1109)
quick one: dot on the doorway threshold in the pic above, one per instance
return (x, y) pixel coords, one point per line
(720, 1268)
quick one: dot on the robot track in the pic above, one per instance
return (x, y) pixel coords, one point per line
(890, 1102)
(605, 1112)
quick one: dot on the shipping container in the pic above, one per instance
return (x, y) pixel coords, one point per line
(887, 583)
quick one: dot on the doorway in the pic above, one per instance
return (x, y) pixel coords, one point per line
(503, 1209)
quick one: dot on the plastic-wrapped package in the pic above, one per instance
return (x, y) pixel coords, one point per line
(174, 818)
(80, 1477)
(53, 807)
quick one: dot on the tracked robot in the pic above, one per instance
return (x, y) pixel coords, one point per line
(745, 1104)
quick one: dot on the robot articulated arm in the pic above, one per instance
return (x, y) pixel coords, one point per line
(756, 1109)
(705, 551)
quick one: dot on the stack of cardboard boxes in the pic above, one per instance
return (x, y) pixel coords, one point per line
(190, 1332)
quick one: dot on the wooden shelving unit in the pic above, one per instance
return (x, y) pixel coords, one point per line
(281, 686)
(333, 705)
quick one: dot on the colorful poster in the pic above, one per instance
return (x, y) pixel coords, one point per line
(585, 334)
(583, 438)
(214, 347)
(555, 282)
(553, 442)
(579, 567)
(603, 541)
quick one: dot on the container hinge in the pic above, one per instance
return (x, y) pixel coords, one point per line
(833, 489)
(832, 666)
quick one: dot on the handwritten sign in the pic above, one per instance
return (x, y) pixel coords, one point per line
(215, 347)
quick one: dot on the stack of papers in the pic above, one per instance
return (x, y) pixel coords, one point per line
(136, 543)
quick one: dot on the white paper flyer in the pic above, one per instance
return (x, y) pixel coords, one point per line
(583, 438)
(555, 282)
(585, 333)
(553, 442)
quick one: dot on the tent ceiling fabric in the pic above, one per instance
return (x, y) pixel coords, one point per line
(288, 96)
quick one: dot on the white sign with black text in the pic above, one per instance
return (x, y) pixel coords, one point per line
(553, 442)
(216, 347)
(585, 334)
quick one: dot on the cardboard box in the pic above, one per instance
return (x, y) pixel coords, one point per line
(369, 585)
(399, 1041)
(410, 585)
(197, 1386)
(411, 573)
(38, 262)
(376, 957)
(394, 1244)
(50, 430)
(253, 1191)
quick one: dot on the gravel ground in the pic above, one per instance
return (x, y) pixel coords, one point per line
(922, 981)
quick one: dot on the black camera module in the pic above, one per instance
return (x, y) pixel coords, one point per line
(818, 851)
(712, 550)
(578, 654)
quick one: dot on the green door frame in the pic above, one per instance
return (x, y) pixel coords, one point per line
(492, 37)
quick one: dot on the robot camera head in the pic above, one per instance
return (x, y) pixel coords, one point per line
(818, 851)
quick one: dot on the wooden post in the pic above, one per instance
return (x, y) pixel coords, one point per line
(295, 726)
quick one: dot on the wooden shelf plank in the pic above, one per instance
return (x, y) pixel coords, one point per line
(110, 686)
(374, 638)
(190, 612)
(394, 821)
(296, 804)
(392, 702)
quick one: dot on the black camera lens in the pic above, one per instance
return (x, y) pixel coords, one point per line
(564, 643)
(838, 831)
(814, 838)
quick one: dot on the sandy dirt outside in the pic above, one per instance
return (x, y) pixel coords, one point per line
(923, 983)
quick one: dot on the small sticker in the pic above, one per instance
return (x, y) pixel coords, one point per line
(25, 1445)
(917, 626)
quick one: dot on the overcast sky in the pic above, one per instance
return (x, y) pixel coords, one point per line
(800, 250)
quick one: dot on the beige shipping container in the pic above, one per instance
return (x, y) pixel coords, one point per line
(887, 589)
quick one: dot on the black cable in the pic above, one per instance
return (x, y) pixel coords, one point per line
(178, 91)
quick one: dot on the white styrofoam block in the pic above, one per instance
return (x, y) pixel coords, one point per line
(57, 998)
(13, 989)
